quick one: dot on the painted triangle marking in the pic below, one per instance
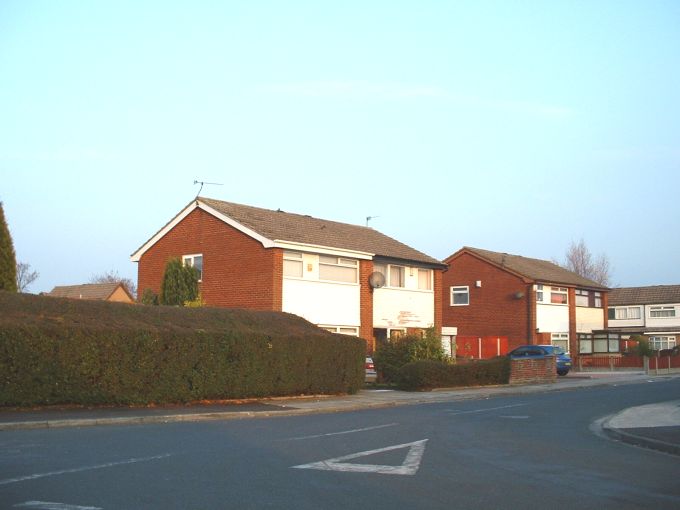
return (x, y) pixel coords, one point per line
(408, 467)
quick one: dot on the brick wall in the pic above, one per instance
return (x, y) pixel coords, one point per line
(237, 270)
(533, 371)
(366, 304)
(494, 309)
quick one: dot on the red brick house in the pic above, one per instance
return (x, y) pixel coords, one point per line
(528, 301)
(345, 278)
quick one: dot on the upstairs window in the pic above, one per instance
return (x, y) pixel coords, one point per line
(623, 313)
(662, 311)
(539, 292)
(597, 299)
(558, 296)
(460, 296)
(425, 279)
(292, 264)
(582, 297)
(338, 269)
(194, 261)
(397, 276)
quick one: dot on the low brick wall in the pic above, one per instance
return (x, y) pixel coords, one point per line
(533, 371)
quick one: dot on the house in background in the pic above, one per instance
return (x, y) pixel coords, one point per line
(95, 291)
(651, 311)
(510, 300)
(345, 278)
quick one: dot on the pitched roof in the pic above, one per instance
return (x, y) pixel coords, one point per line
(533, 269)
(279, 226)
(655, 294)
(86, 291)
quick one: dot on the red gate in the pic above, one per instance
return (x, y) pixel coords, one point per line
(481, 347)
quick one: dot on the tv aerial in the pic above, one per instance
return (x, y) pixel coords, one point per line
(369, 218)
(203, 183)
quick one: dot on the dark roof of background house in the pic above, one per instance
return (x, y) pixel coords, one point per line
(536, 269)
(655, 294)
(85, 291)
(298, 228)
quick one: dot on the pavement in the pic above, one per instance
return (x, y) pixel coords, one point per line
(655, 426)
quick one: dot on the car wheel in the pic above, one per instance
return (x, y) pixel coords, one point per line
(562, 372)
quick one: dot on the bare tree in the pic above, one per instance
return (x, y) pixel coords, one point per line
(25, 276)
(114, 277)
(579, 260)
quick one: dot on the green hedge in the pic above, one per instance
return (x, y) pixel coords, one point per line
(57, 351)
(428, 374)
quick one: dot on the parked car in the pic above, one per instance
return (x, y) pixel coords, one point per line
(371, 374)
(562, 359)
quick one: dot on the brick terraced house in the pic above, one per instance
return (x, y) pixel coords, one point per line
(345, 278)
(651, 311)
(519, 300)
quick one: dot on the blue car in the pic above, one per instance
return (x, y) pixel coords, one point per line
(562, 359)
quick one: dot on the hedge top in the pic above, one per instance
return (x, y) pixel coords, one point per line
(42, 311)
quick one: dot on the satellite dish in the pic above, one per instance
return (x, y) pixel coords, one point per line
(376, 280)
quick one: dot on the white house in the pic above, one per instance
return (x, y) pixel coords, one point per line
(651, 311)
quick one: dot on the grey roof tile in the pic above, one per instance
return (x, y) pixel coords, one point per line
(298, 228)
(535, 269)
(656, 294)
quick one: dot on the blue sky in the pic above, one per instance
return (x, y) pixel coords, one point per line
(510, 126)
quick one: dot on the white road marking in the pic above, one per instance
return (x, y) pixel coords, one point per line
(81, 469)
(48, 505)
(341, 433)
(408, 467)
(453, 413)
(523, 417)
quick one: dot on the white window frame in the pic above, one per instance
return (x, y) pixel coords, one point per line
(458, 290)
(402, 276)
(559, 291)
(429, 273)
(560, 340)
(333, 261)
(292, 256)
(622, 313)
(190, 261)
(539, 293)
(662, 342)
(597, 299)
(662, 312)
(342, 330)
(580, 295)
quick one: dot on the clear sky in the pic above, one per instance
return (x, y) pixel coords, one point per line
(510, 126)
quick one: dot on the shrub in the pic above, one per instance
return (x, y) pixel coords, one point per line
(180, 283)
(60, 351)
(429, 374)
(389, 358)
(149, 297)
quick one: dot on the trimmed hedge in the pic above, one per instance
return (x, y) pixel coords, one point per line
(58, 351)
(428, 374)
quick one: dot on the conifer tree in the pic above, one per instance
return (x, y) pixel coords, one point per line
(8, 262)
(180, 284)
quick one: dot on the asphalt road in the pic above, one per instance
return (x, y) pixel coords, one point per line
(530, 451)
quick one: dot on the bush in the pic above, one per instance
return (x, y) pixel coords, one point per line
(389, 358)
(60, 351)
(180, 283)
(429, 374)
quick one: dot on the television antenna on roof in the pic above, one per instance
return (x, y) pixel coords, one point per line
(202, 183)
(369, 218)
